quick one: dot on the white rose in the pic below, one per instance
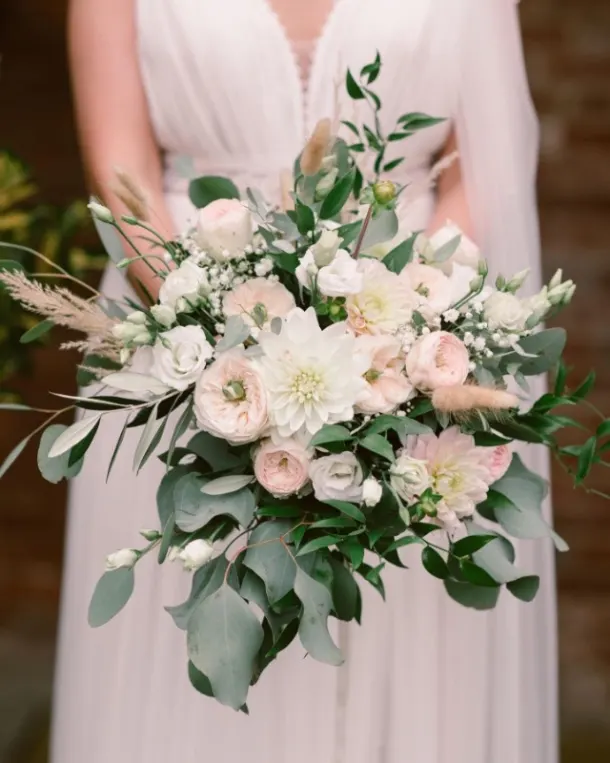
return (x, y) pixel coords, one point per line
(410, 477)
(164, 314)
(306, 269)
(505, 311)
(467, 252)
(325, 248)
(371, 492)
(125, 557)
(337, 477)
(224, 229)
(183, 286)
(195, 554)
(180, 355)
(341, 277)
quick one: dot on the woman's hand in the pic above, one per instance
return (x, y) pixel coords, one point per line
(112, 114)
(451, 201)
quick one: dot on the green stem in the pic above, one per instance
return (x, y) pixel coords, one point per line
(362, 233)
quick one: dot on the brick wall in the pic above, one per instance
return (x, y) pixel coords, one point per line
(568, 54)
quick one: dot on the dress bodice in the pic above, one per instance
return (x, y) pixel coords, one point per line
(228, 93)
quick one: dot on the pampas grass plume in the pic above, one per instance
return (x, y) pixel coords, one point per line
(461, 398)
(128, 190)
(316, 148)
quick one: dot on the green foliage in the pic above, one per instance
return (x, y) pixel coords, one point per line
(111, 594)
(204, 190)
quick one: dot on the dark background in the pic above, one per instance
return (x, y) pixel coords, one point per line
(568, 54)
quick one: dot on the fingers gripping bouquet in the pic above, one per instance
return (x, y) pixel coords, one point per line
(331, 392)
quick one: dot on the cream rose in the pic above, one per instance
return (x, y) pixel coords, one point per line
(387, 384)
(438, 359)
(410, 477)
(337, 477)
(496, 460)
(505, 311)
(342, 277)
(195, 554)
(258, 301)
(281, 466)
(180, 355)
(384, 303)
(224, 229)
(432, 289)
(183, 286)
(230, 399)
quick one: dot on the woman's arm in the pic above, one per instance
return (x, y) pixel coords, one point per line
(451, 201)
(112, 114)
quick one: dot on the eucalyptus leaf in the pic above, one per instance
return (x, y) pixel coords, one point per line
(129, 381)
(236, 332)
(146, 438)
(73, 435)
(525, 588)
(546, 347)
(111, 594)
(13, 455)
(313, 628)
(268, 557)
(229, 484)
(195, 509)
(55, 469)
(206, 581)
(443, 253)
(213, 451)
(382, 228)
(223, 639)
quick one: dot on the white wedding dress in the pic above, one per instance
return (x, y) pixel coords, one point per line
(425, 680)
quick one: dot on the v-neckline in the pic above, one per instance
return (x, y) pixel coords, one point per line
(304, 84)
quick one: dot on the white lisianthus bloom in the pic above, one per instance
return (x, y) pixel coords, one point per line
(458, 472)
(224, 229)
(183, 286)
(342, 277)
(195, 554)
(371, 492)
(230, 399)
(384, 304)
(467, 252)
(409, 477)
(180, 355)
(505, 311)
(432, 291)
(125, 557)
(337, 477)
(312, 376)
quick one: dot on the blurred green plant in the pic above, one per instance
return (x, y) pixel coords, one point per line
(55, 232)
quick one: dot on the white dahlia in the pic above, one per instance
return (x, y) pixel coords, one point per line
(312, 376)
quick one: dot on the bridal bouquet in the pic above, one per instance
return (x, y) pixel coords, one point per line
(327, 390)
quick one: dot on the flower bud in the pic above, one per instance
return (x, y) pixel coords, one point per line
(234, 391)
(371, 492)
(125, 331)
(517, 281)
(476, 283)
(125, 557)
(195, 554)
(384, 191)
(325, 249)
(137, 317)
(100, 212)
(163, 314)
(556, 279)
(482, 268)
(150, 535)
(142, 337)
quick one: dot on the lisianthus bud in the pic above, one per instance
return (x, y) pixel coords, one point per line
(371, 492)
(517, 281)
(100, 212)
(195, 554)
(556, 279)
(125, 557)
(150, 535)
(137, 317)
(126, 331)
(325, 248)
(384, 191)
(476, 283)
(164, 314)
(142, 337)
